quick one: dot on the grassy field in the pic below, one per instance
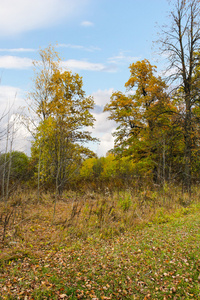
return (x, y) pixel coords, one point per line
(100, 248)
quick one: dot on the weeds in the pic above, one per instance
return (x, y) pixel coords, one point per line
(103, 247)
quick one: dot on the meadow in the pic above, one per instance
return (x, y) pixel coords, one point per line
(120, 245)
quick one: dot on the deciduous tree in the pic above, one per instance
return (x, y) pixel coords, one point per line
(141, 116)
(180, 40)
(66, 113)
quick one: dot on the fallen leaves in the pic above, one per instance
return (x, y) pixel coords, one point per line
(157, 262)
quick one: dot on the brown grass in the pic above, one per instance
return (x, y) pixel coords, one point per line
(25, 223)
(144, 245)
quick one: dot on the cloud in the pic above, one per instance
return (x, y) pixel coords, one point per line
(15, 62)
(18, 16)
(87, 24)
(170, 72)
(122, 57)
(70, 46)
(102, 124)
(11, 106)
(19, 135)
(87, 66)
(18, 50)
(102, 97)
(10, 97)
(106, 144)
(79, 47)
(103, 128)
(11, 102)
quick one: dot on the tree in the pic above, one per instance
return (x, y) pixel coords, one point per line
(65, 117)
(141, 116)
(41, 94)
(180, 41)
(14, 164)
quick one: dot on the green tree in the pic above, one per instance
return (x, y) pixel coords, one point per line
(14, 168)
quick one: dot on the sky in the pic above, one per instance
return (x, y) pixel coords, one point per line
(98, 39)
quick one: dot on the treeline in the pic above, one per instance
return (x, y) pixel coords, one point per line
(98, 174)
(157, 138)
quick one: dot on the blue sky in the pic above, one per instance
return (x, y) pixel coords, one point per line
(98, 39)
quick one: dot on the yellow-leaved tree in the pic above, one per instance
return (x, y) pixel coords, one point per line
(65, 113)
(144, 116)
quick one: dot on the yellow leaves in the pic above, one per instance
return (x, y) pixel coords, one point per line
(140, 112)
(141, 71)
(149, 87)
(41, 95)
(86, 170)
(49, 58)
(131, 109)
(65, 112)
(64, 87)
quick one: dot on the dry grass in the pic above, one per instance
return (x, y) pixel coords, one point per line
(25, 222)
(108, 222)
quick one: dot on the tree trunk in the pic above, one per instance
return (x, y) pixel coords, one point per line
(188, 147)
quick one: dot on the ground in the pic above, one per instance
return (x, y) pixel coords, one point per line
(158, 259)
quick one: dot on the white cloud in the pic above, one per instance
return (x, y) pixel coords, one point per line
(18, 50)
(17, 16)
(123, 57)
(87, 24)
(102, 97)
(79, 47)
(87, 66)
(106, 144)
(11, 102)
(102, 124)
(70, 46)
(15, 62)
(10, 97)
(19, 134)
(169, 72)
(103, 128)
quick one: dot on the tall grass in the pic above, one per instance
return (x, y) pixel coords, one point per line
(102, 214)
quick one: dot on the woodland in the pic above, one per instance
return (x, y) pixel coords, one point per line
(124, 226)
